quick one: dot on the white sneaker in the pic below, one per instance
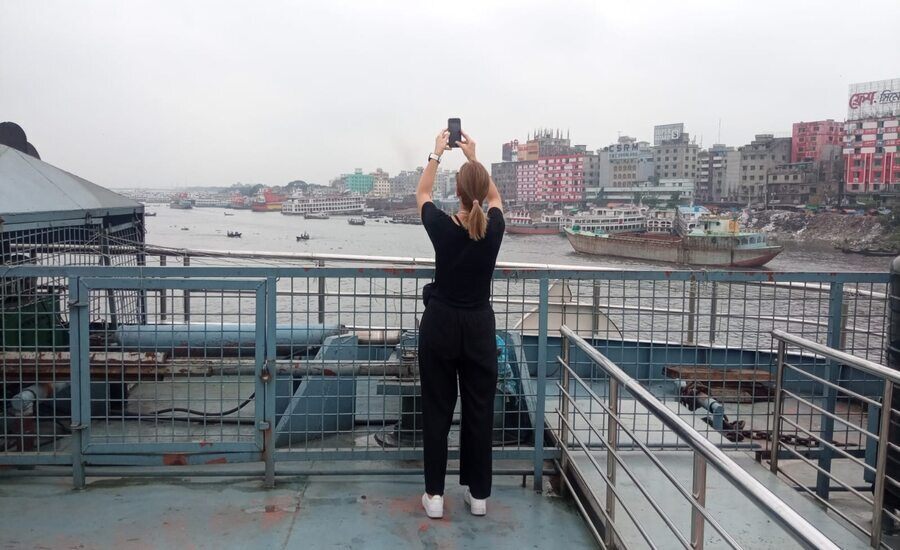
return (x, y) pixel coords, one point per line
(478, 506)
(434, 506)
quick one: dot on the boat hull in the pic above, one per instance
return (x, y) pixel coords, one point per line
(515, 229)
(670, 249)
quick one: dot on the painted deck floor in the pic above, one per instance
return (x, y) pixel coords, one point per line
(348, 512)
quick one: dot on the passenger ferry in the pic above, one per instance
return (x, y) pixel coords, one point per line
(609, 219)
(329, 204)
(522, 223)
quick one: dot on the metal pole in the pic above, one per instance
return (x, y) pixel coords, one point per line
(612, 437)
(321, 263)
(187, 295)
(826, 431)
(564, 411)
(541, 385)
(881, 463)
(692, 310)
(698, 491)
(163, 307)
(844, 313)
(595, 309)
(106, 260)
(713, 306)
(779, 406)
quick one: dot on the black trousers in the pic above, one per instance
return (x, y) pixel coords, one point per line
(459, 343)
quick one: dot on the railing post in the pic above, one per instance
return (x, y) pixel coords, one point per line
(844, 314)
(163, 307)
(564, 409)
(187, 295)
(106, 260)
(79, 376)
(713, 307)
(541, 385)
(612, 439)
(835, 301)
(595, 310)
(270, 383)
(779, 409)
(321, 263)
(692, 310)
(881, 463)
(698, 491)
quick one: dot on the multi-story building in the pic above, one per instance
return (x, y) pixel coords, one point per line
(757, 159)
(545, 143)
(510, 151)
(360, 183)
(813, 141)
(504, 176)
(676, 158)
(794, 183)
(630, 161)
(445, 183)
(405, 182)
(560, 179)
(871, 163)
(381, 186)
(526, 181)
(598, 174)
(718, 173)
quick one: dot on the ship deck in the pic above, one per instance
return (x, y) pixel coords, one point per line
(348, 511)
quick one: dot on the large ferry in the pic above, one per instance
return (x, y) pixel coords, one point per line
(267, 201)
(609, 219)
(711, 241)
(328, 204)
(521, 223)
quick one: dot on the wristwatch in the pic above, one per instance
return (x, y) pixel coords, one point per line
(435, 158)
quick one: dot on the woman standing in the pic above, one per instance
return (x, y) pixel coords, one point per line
(457, 332)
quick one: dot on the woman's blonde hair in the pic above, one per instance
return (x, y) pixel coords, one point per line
(472, 184)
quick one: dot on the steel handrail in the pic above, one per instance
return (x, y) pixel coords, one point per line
(844, 358)
(792, 522)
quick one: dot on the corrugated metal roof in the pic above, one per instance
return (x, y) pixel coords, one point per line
(33, 190)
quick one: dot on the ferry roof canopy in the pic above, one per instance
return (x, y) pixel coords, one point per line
(34, 193)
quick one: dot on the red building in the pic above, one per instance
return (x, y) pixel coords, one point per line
(526, 181)
(560, 179)
(872, 137)
(815, 141)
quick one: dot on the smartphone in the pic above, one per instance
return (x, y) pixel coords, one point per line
(455, 128)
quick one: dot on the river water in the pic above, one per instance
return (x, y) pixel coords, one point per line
(274, 232)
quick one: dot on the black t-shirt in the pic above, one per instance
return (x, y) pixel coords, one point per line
(463, 267)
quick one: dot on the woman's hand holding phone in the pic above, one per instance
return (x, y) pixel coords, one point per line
(467, 144)
(442, 142)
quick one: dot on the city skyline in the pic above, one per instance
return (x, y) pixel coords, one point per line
(203, 95)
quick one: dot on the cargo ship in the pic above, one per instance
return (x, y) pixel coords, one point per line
(267, 201)
(713, 242)
(521, 223)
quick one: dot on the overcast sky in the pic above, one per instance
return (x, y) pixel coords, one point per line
(166, 93)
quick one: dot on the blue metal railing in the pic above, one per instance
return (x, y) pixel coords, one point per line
(350, 392)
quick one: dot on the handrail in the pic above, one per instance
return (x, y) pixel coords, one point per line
(792, 522)
(844, 358)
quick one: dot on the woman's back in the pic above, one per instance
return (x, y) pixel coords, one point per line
(463, 266)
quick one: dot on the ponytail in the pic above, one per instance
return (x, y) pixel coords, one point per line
(476, 222)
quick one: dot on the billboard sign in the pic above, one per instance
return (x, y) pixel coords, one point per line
(880, 98)
(667, 132)
(626, 150)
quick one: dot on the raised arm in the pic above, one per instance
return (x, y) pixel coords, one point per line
(425, 189)
(493, 198)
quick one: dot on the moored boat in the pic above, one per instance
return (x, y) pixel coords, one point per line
(713, 241)
(521, 223)
(357, 221)
(316, 216)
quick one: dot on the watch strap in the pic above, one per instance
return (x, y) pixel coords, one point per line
(436, 158)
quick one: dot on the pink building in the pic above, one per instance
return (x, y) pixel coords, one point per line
(526, 181)
(560, 179)
(816, 141)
